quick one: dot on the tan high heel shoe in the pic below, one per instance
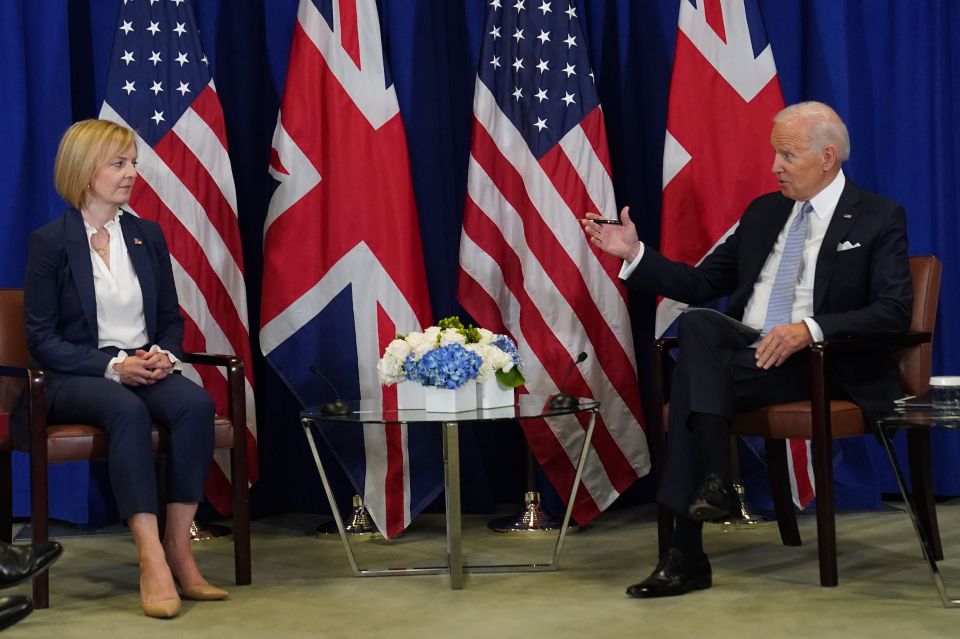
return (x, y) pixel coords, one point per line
(163, 609)
(203, 592)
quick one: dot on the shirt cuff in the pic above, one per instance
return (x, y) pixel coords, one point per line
(177, 364)
(627, 269)
(110, 373)
(815, 331)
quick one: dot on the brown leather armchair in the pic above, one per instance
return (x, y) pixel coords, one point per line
(822, 420)
(73, 442)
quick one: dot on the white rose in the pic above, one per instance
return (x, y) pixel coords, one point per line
(390, 370)
(486, 337)
(399, 349)
(500, 360)
(420, 343)
(486, 366)
(452, 336)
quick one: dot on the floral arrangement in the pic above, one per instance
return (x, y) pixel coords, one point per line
(449, 355)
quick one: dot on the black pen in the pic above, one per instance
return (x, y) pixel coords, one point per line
(603, 220)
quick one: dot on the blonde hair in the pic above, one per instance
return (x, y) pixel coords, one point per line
(86, 147)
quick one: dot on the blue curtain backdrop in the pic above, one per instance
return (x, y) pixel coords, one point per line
(890, 68)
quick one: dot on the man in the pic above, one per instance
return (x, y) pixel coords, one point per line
(17, 565)
(820, 259)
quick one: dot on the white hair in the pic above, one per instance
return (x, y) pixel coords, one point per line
(825, 126)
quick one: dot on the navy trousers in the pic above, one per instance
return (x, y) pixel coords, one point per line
(715, 374)
(126, 413)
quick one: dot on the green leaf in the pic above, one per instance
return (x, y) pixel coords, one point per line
(512, 378)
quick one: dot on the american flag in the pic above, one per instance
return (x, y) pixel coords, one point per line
(714, 166)
(343, 262)
(538, 162)
(159, 85)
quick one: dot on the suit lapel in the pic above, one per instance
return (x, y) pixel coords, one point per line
(844, 217)
(78, 257)
(767, 237)
(136, 245)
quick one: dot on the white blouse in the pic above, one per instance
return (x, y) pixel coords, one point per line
(120, 320)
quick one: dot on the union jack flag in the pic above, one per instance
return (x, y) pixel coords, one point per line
(717, 157)
(159, 85)
(538, 162)
(343, 262)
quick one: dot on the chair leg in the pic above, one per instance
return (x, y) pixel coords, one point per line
(241, 516)
(778, 476)
(921, 481)
(6, 498)
(826, 523)
(39, 524)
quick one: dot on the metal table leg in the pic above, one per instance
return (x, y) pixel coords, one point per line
(451, 487)
(948, 602)
(345, 538)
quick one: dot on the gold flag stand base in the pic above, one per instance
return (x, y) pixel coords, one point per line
(209, 533)
(743, 518)
(531, 519)
(359, 526)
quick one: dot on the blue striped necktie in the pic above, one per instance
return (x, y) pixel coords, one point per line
(780, 308)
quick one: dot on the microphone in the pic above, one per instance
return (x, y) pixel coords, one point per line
(333, 408)
(562, 401)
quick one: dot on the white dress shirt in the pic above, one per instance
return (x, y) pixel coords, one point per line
(120, 320)
(754, 314)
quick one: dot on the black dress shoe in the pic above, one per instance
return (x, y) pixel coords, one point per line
(21, 563)
(674, 575)
(714, 500)
(13, 609)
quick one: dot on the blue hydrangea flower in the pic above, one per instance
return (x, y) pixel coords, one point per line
(508, 346)
(449, 366)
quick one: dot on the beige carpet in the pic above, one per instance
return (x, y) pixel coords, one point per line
(302, 586)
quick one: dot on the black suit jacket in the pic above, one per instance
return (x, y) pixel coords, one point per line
(60, 302)
(864, 292)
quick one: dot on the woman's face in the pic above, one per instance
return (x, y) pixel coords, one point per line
(113, 182)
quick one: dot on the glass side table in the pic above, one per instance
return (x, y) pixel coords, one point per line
(372, 412)
(918, 423)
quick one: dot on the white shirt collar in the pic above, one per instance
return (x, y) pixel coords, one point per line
(112, 223)
(826, 200)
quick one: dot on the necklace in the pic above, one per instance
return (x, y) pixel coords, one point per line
(102, 252)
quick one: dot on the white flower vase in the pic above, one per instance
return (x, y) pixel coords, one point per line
(445, 400)
(410, 395)
(493, 394)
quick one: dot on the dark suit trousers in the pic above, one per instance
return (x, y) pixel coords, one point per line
(126, 413)
(715, 374)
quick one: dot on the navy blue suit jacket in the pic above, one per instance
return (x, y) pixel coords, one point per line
(59, 298)
(864, 292)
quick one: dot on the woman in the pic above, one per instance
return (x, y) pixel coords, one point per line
(102, 319)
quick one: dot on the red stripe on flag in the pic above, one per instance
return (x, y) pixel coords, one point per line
(394, 480)
(187, 167)
(713, 10)
(564, 273)
(349, 30)
(595, 130)
(799, 449)
(539, 335)
(185, 249)
(207, 106)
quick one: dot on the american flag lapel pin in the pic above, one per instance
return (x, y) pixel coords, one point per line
(137, 241)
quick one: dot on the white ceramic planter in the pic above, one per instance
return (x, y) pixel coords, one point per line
(410, 396)
(493, 394)
(444, 400)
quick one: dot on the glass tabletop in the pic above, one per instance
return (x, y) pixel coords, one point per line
(910, 417)
(371, 411)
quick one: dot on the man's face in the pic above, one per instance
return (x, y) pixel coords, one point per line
(800, 169)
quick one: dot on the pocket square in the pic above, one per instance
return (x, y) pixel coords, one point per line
(846, 246)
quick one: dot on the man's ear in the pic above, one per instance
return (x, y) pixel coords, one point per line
(829, 153)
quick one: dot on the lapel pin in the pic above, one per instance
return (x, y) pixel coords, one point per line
(137, 241)
(847, 216)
